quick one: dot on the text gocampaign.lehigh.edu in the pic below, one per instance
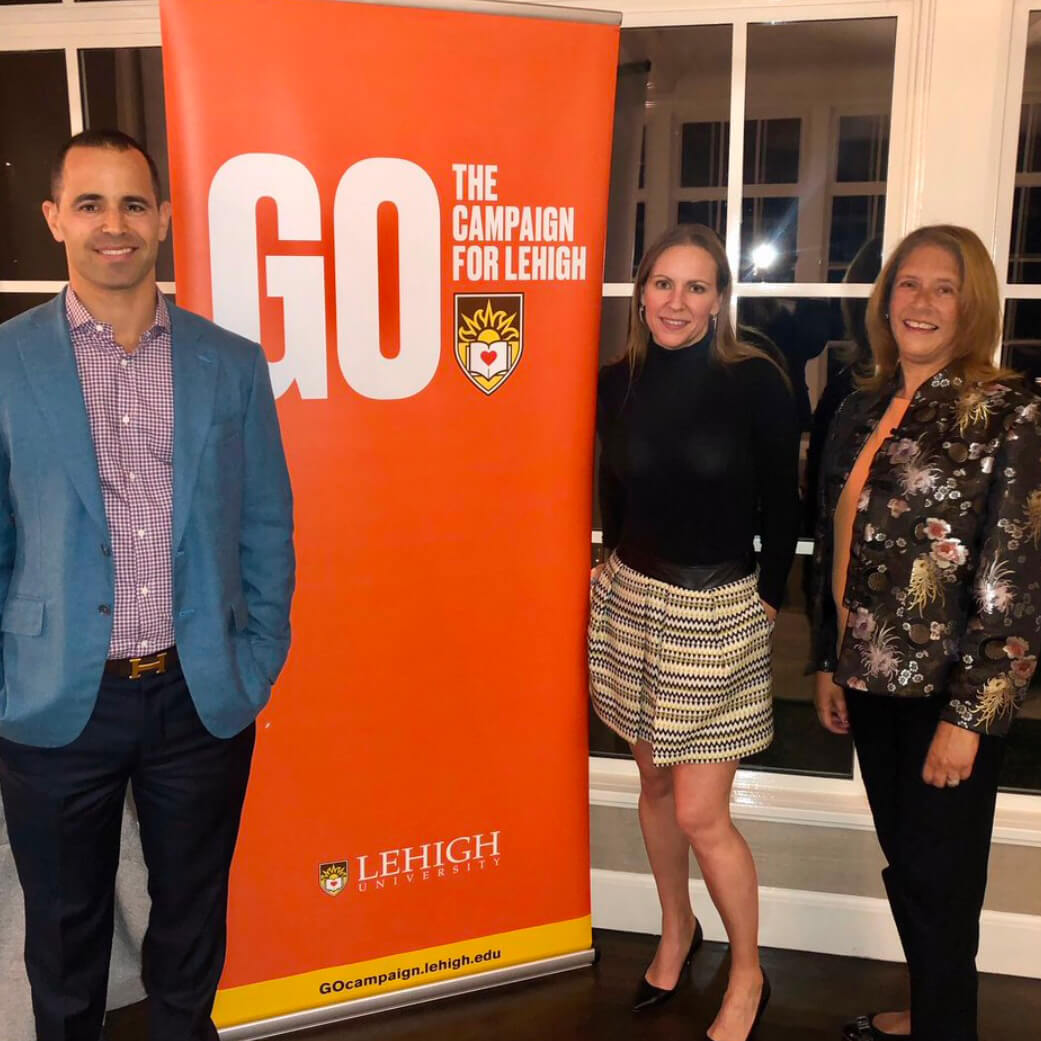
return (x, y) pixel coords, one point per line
(408, 972)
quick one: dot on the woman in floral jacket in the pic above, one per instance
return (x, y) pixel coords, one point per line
(928, 602)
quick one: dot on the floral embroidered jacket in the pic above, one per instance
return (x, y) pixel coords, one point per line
(944, 579)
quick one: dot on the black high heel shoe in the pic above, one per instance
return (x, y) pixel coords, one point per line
(764, 997)
(648, 995)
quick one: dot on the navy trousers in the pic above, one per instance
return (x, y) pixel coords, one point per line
(936, 842)
(64, 807)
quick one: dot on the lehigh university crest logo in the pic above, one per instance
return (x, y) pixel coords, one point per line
(489, 337)
(333, 877)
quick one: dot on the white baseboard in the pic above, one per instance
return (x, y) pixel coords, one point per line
(828, 923)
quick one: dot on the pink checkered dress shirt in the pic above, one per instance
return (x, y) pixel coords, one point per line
(129, 399)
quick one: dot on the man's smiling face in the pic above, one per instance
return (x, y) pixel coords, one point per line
(108, 218)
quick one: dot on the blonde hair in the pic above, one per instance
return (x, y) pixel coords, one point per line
(725, 346)
(978, 330)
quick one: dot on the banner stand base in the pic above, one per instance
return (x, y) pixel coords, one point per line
(404, 998)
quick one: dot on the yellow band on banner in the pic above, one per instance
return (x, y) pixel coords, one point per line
(383, 975)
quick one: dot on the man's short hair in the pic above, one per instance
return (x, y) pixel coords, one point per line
(115, 139)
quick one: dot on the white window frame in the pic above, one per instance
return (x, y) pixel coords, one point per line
(790, 798)
(71, 27)
(1023, 180)
(793, 798)
(686, 113)
(838, 189)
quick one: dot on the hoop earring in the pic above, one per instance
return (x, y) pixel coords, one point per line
(642, 312)
(712, 324)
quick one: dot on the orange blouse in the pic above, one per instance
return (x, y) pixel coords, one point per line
(846, 510)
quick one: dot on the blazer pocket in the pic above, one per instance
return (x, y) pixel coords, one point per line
(225, 431)
(239, 615)
(23, 615)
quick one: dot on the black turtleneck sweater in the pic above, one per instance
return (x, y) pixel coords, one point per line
(697, 457)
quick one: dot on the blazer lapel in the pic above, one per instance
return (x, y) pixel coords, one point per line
(50, 365)
(195, 386)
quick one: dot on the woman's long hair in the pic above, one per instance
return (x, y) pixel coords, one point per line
(864, 267)
(725, 346)
(978, 330)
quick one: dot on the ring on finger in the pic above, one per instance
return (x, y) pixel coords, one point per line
(953, 782)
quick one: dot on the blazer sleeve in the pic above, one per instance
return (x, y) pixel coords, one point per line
(7, 539)
(999, 648)
(266, 542)
(825, 614)
(775, 439)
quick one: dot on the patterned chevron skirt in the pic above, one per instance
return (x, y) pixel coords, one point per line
(688, 672)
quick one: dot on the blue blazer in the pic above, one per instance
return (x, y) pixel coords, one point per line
(232, 548)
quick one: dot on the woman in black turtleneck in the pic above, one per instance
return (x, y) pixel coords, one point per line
(699, 453)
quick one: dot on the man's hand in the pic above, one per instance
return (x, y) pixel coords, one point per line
(771, 612)
(951, 756)
(830, 700)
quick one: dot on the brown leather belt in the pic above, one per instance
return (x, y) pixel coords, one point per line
(138, 668)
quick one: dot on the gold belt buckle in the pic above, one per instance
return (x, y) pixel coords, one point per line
(139, 666)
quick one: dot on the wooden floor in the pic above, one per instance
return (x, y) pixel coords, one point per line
(813, 995)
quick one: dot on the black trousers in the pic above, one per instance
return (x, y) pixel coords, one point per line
(64, 807)
(936, 843)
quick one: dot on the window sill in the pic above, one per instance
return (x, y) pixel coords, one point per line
(824, 802)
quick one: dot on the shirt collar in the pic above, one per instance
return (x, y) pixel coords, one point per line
(79, 316)
(944, 385)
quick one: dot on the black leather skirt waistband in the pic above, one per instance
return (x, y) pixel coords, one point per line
(686, 576)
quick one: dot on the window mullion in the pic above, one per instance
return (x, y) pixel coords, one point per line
(75, 85)
(735, 178)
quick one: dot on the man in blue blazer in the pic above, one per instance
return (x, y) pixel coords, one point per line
(146, 572)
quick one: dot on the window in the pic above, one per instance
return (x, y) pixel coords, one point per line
(120, 87)
(669, 80)
(1021, 349)
(822, 92)
(814, 175)
(12, 304)
(705, 151)
(814, 169)
(855, 220)
(771, 158)
(1024, 264)
(29, 137)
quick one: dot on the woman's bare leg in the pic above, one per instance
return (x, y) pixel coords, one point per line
(668, 851)
(702, 797)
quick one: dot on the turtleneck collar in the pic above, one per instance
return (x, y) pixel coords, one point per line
(697, 347)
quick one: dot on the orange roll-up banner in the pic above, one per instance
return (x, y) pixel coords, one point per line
(406, 206)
